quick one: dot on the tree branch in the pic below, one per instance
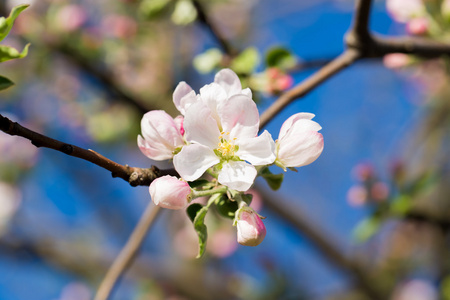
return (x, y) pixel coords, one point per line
(128, 253)
(135, 176)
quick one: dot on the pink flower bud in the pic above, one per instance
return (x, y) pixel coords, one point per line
(160, 135)
(250, 228)
(404, 10)
(170, 192)
(396, 60)
(417, 26)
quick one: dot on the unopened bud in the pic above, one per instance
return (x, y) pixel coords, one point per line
(170, 192)
(250, 228)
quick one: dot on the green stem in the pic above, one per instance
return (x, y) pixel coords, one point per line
(218, 190)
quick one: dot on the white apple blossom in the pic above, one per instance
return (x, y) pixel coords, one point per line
(161, 135)
(170, 192)
(222, 126)
(299, 142)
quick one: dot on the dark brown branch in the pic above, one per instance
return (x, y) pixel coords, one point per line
(135, 176)
(409, 45)
(300, 90)
(128, 253)
(204, 19)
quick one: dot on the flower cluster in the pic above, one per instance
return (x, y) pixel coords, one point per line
(217, 134)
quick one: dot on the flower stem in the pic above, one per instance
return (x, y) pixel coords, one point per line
(218, 190)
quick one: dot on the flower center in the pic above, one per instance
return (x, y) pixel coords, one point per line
(226, 148)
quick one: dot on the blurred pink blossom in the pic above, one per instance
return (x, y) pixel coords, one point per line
(404, 10)
(418, 26)
(119, 26)
(363, 171)
(71, 17)
(396, 60)
(357, 195)
(222, 242)
(75, 291)
(10, 199)
(416, 289)
(379, 191)
(278, 80)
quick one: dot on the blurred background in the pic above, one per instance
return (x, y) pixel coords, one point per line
(378, 194)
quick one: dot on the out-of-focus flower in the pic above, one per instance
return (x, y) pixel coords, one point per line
(70, 18)
(363, 171)
(418, 26)
(404, 10)
(445, 9)
(299, 142)
(222, 242)
(170, 192)
(396, 60)
(250, 228)
(257, 202)
(416, 289)
(10, 199)
(160, 135)
(119, 26)
(357, 195)
(379, 191)
(271, 81)
(221, 124)
(75, 291)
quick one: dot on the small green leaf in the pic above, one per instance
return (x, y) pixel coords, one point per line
(184, 12)
(5, 83)
(202, 232)
(192, 210)
(366, 229)
(5, 26)
(246, 61)
(281, 58)
(274, 180)
(226, 207)
(153, 8)
(207, 61)
(401, 205)
(8, 53)
(197, 183)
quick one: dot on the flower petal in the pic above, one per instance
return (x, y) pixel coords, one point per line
(229, 81)
(258, 150)
(292, 119)
(169, 192)
(200, 127)
(247, 92)
(239, 116)
(193, 160)
(300, 148)
(237, 175)
(213, 95)
(152, 152)
(183, 97)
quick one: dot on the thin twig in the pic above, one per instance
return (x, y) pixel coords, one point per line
(135, 176)
(345, 59)
(128, 253)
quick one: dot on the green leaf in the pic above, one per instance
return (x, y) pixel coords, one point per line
(192, 210)
(153, 8)
(401, 205)
(5, 83)
(184, 12)
(207, 61)
(226, 207)
(281, 58)
(246, 61)
(197, 183)
(202, 232)
(6, 25)
(366, 229)
(8, 53)
(274, 180)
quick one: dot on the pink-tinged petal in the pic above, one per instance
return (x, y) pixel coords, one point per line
(237, 175)
(179, 120)
(291, 120)
(250, 228)
(213, 95)
(258, 151)
(170, 192)
(156, 153)
(193, 160)
(299, 149)
(160, 135)
(200, 126)
(183, 97)
(404, 10)
(228, 80)
(240, 117)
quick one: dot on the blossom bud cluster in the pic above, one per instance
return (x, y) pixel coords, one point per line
(217, 133)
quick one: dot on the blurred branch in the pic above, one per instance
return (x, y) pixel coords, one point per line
(128, 253)
(323, 242)
(203, 18)
(135, 176)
